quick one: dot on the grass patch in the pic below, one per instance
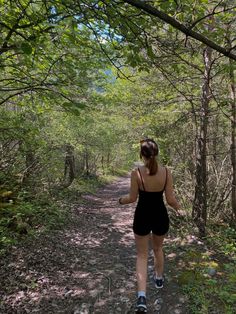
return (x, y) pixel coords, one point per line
(209, 277)
(83, 185)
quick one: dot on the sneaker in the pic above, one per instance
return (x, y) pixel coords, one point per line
(141, 306)
(158, 282)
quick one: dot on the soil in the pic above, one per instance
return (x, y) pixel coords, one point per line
(89, 265)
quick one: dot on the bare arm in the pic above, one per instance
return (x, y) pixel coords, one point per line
(133, 193)
(169, 192)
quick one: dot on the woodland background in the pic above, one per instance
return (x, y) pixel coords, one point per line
(82, 82)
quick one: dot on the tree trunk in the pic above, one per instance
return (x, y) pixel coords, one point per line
(31, 163)
(108, 159)
(199, 211)
(87, 162)
(232, 88)
(69, 172)
(233, 140)
(102, 162)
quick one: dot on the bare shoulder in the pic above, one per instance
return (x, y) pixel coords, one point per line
(165, 172)
(162, 169)
(139, 168)
(134, 172)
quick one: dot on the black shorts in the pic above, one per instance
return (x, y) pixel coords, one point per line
(155, 221)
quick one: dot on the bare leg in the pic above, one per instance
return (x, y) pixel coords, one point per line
(142, 258)
(157, 243)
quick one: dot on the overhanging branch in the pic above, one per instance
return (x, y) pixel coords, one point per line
(187, 31)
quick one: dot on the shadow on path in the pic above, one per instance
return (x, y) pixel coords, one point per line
(88, 266)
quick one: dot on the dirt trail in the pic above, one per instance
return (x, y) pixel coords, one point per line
(88, 266)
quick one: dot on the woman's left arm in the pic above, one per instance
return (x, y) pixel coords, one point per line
(133, 193)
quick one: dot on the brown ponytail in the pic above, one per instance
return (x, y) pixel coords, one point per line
(152, 166)
(149, 150)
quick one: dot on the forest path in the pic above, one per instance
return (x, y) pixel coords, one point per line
(88, 266)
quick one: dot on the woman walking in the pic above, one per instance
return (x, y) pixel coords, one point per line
(148, 183)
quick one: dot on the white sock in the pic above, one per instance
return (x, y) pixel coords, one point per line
(141, 294)
(158, 277)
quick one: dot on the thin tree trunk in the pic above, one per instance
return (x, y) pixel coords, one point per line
(232, 89)
(102, 161)
(233, 139)
(215, 140)
(86, 162)
(199, 211)
(69, 172)
(31, 164)
(108, 159)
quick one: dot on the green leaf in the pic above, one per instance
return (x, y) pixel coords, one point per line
(26, 48)
(74, 108)
(150, 52)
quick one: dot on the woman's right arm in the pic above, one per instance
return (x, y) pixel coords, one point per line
(133, 193)
(169, 192)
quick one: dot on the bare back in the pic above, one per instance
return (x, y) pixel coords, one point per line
(154, 183)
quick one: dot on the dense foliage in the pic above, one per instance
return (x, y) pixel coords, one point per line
(82, 81)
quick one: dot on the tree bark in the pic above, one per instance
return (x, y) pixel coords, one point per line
(69, 172)
(233, 139)
(87, 170)
(199, 211)
(232, 97)
(31, 164)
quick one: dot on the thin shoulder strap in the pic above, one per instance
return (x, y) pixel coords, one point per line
(166, 179)
(141, 179)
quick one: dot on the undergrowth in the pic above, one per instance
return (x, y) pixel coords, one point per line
(23, 214)
(26, 218)
(209, 277)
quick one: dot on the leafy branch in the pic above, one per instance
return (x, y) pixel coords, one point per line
(176, 24)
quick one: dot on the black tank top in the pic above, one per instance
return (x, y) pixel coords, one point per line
(150, 199)
(151, 213)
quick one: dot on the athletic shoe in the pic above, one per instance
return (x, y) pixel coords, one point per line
(158, 282)
(141, 306)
